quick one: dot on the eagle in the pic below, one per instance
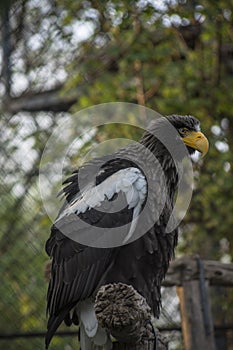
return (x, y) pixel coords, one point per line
(112, 227)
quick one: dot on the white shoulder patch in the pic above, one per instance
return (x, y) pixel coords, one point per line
(130, 181)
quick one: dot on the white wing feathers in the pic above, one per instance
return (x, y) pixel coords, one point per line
(131, 181)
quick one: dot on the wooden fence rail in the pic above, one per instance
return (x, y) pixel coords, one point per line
(186, 269)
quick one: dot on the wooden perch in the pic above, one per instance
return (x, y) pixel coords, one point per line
(126, 315)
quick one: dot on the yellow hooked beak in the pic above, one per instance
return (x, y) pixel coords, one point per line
(197, 141)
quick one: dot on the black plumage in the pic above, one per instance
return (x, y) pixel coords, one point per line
(79, 270)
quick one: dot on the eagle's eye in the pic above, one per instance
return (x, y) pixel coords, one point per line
(183, 131)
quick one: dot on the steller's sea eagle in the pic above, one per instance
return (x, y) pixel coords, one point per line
(131, 193)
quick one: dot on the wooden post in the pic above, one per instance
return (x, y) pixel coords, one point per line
(196, 318)
(193, 277)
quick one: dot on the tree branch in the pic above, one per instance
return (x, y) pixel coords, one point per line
(51, 100)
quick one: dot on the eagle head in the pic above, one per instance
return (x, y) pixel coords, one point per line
(188, 127)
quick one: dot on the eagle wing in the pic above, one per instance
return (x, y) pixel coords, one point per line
(77, 269)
